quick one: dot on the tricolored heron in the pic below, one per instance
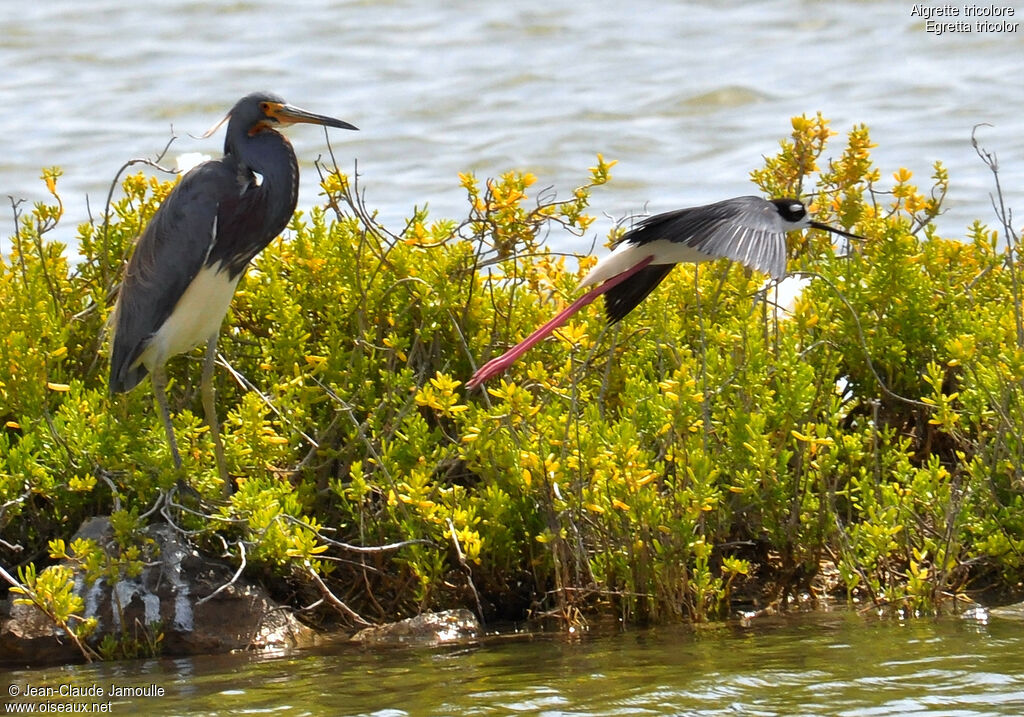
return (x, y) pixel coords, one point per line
(749, 230)
(182, 275)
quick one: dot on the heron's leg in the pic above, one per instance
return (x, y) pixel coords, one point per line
(159, 378)
(210, 409)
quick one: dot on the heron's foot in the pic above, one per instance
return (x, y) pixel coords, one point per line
(180, 486)
(228, 487)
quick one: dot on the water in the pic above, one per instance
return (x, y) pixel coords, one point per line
(687, 96)
(825, 664)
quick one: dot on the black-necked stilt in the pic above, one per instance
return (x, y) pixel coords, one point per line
(182, 275)
(748, 230)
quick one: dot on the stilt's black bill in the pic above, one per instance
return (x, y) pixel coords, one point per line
(826, 227)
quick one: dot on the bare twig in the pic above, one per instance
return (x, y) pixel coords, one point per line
(102, 475)
(234, 578)
(13, 581)
(354, 548)
(248, 385)
(466, 570)
(333, 600)
(1005, 217)
(155, 164)
(15, 203)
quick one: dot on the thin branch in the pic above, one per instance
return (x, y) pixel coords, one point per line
(234, 578)
(1005, 218)
(863, 342)
(15, 203)
(155, 164)
(13, 581)
(102, 475)
(466, 570)
(355, 548)
(248, 385)
(333, 599)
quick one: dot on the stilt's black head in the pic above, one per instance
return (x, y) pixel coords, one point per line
(792, 211)
(794, 215)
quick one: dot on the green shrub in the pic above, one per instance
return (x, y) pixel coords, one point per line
(708, 444)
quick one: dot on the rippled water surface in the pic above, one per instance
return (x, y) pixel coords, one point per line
(688, 96)
(838, 664)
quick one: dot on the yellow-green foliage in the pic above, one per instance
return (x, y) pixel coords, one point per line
(652, 467)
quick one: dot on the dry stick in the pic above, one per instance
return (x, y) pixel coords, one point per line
(357, 204)
(15, 203)
(114, 494)
(13, 547)
(355, 548)
(863, 343)
(248, 385)
(466, 570)
(11, 579)
(87, 652)
(1006, 219)
(333, 599)
(526, 255)
(155, 164)
(168, 502)
(234, 578)
(501, 363)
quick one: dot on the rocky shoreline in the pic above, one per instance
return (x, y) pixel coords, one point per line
(201, 607)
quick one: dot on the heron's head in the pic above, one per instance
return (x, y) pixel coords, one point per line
(260, 111)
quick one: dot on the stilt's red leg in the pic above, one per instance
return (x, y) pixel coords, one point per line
(501, 363)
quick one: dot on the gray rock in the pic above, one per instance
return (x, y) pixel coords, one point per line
(170, 591)
(432, 628)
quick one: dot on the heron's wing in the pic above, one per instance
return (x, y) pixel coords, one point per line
(245, 225)
(745, 229)
(623, 298)
(168, 255)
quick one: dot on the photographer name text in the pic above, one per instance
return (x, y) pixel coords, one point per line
(30, 690)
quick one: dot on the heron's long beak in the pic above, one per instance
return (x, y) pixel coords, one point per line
(289, 114)
(826, 227)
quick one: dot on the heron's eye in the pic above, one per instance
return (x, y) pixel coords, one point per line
(797, 209)
(264, 107)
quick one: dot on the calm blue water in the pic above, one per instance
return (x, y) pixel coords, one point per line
(687, 96)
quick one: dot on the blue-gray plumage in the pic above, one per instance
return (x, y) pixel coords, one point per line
(182, 275)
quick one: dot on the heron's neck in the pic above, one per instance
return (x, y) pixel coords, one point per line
(270, 155)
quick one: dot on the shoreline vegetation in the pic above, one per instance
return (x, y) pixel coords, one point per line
(712, 452)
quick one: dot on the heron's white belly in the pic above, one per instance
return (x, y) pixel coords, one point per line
(625, 256)
(196, 317)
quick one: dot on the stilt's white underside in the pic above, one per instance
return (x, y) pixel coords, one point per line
(627, 255)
